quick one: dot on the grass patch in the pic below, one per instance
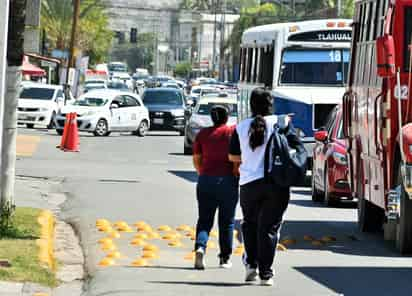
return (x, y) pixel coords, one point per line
(18, 245)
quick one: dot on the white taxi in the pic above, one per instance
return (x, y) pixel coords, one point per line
(39, 104)
(104, 111)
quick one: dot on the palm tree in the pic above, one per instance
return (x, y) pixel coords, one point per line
(15, 51)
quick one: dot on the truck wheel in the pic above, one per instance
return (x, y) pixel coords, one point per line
(370, 216)
(404, 226)
(317, 196)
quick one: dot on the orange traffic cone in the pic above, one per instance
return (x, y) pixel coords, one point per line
(65, 131)
(72, 141)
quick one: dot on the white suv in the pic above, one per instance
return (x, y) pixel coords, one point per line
(39, 104)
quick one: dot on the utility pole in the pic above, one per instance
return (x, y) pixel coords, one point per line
(71, 62)
(338, 8)
(215, 5)
(155, 50)
(222, 42)
(15, 52)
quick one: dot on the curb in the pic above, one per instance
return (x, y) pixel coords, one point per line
(47, 222)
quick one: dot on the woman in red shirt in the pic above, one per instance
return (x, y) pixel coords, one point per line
(217, 187)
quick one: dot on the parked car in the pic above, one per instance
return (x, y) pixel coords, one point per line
(200, 117)
(166, 108)
(39, 104)
(104, 111)
(330, 164)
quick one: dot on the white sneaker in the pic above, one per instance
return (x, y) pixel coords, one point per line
(251, 274)
(200, 259)
(268, 282)
(225, 263)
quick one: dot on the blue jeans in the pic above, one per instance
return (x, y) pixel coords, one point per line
(215, 193)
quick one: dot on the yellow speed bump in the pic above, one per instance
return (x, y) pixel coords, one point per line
(40, 294)
(140, 262)
(169, 236)
(106, 262)
(109, 247)
(138, 242)
(151, 248)
(288, 241)
(214, 234)
(150, 255)
(317, 243)
(164, 228)
(281, 247)
(308, 238)
(153, 235)
(183, 227)
(328, 239)
(141, 235)
(190, 256)
(105, 240)
(114, 234)
(175, 243)
(114, 255)
(190, 233)
(211, 245)
(100, 222)
(105, 228)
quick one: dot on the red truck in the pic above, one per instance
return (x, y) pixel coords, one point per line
(377, 118)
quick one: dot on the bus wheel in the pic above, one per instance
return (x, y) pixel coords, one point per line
(404, 226)
(370, 216)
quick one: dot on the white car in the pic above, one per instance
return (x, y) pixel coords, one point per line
(104, 111)
(39, 104)
(200, 117)
(199, 91)
(123, 77)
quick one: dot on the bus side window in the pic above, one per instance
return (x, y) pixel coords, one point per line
(249, 64)
(242, 64)
(266, 62)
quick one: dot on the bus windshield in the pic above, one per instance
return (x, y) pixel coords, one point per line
(315, 66)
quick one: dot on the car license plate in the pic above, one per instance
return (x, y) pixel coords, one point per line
(158, 121)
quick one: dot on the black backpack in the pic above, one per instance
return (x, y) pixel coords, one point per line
(285, 155)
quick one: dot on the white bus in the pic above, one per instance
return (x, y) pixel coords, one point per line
(304, 64)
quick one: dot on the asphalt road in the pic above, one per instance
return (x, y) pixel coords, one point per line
(123, 177)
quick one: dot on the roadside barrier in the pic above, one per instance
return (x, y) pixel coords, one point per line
(70, 138)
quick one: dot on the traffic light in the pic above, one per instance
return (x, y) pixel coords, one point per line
(133, 35)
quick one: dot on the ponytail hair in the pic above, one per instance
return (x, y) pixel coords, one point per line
(260, 105)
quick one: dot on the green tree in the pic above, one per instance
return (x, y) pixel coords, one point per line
(94, 36)
(183, 69)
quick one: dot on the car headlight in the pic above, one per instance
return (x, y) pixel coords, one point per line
(195, 125)
(44, 109)
(178, 112)
(340, 158)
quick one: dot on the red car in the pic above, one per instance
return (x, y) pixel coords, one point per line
(330, 166)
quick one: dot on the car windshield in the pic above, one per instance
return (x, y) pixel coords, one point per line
(95, 86)
(37, 93)
(117, 85)
(315, 66)
(91, 102)
(204, 109)
(163, 98)
(196, 91)
(209, 91)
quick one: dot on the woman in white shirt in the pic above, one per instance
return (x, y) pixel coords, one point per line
(263, 203)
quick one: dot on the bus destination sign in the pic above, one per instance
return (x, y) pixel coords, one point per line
(323, 36)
